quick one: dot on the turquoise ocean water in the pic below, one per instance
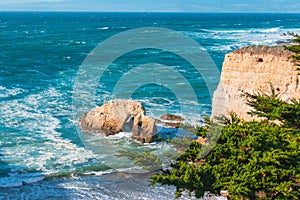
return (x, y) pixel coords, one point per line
(41, 154)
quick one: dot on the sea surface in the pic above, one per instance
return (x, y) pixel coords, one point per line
(42, 152)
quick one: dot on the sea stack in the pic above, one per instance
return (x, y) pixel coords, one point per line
(120, 115)
(253, 70)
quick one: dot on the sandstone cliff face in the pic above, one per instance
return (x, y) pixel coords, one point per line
(120, 115)
(252, 69)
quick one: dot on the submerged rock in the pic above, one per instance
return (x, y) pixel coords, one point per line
(172, 121)
(173, 124)
(120, 115)
(172, 117)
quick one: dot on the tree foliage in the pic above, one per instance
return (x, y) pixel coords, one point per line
(295, 48)
(272, 108)
(143, 159)
(252, 160)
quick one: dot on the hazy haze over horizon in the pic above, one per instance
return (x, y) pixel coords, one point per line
(264, 6)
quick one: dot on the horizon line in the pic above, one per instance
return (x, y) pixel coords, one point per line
(195, 12)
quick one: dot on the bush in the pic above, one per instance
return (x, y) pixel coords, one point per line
(295, 48)
(251, 160)
(143, 159)
(271, 108)
(297, 39)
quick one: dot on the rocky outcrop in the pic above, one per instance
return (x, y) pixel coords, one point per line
(171, 121)
(120, 115)
(172, 117)
(253, 69)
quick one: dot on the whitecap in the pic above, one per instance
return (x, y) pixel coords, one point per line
(6, 92)
(121, 135)
(103, 28)
(229, 31)
(80, 42)
(269, 30)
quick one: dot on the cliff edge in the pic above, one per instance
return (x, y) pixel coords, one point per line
(253, 69)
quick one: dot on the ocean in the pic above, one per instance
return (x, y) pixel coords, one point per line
(43, 152)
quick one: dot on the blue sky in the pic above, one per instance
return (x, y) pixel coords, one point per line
(282, 6)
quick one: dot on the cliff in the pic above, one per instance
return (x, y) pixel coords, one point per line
(252, 69)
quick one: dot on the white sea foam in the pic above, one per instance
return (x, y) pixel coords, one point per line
(270, 30)
(103, 28)
(6, 92)
(237, 38)
(121, 135)
(41, 146)
(224, 31)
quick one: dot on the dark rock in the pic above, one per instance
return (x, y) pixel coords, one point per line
(172, 117)
(173, 124)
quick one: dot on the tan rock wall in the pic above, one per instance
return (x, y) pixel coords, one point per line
(252, 69)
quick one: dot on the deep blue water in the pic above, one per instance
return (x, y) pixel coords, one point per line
(40, 55)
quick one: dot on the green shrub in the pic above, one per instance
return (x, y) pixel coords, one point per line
(143, 159)
(294, 48)
(297, 39)
(251, 160)
(296, 58)
(272, 108)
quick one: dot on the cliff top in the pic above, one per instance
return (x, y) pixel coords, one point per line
(263, 49)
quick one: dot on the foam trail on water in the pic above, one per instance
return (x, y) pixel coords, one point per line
(39, 146)
(229, 40)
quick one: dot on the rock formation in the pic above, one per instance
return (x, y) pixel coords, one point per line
(253, 69)
(172, 117)
(120, 115)
(171, 121)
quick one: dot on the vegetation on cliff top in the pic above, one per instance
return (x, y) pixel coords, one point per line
(252, 160)
(295, 48)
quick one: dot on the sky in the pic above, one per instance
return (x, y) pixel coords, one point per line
(270, 6)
